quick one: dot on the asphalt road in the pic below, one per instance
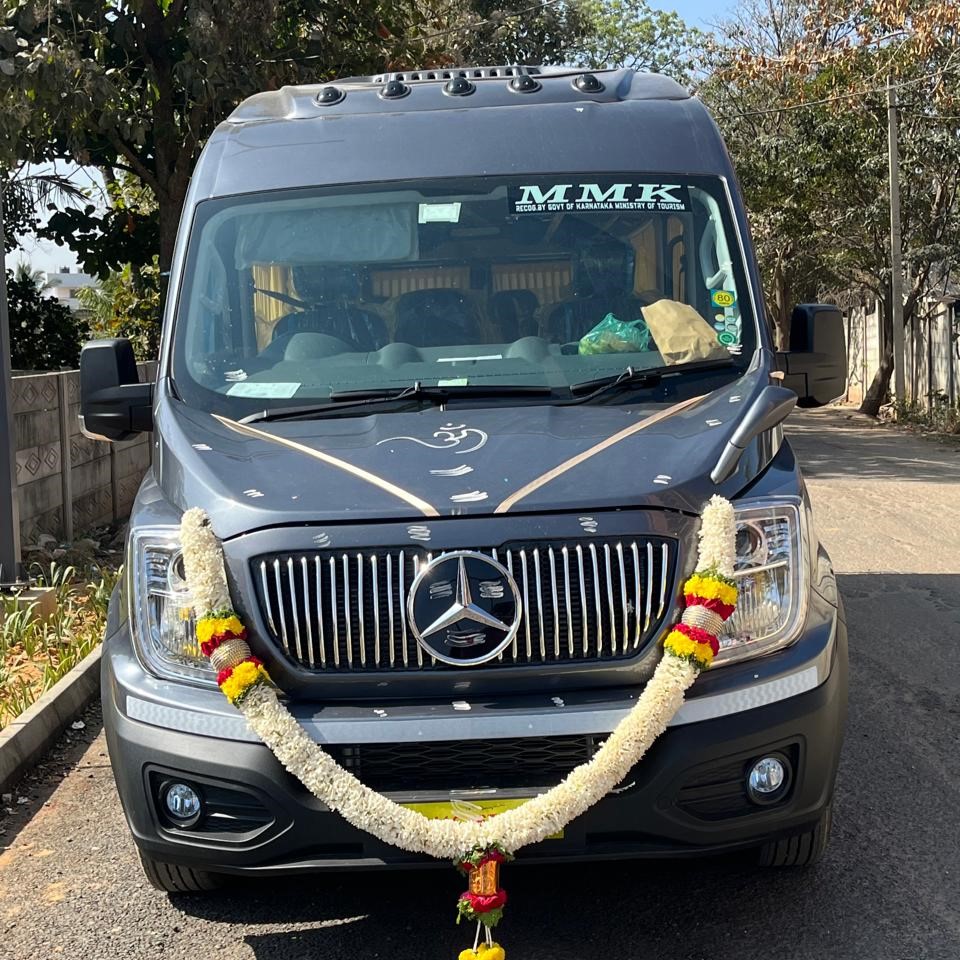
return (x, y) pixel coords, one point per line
(888, 889)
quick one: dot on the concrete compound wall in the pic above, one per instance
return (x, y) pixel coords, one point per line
(67, 484)
(932, 360)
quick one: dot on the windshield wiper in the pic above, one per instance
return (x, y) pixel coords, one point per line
(344, 399)
(586, 390)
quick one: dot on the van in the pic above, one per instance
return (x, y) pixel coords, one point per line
(505, 320)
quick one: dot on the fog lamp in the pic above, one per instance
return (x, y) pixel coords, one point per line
(766, 778)
(182, 802)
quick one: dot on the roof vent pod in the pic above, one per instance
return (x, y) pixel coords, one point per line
(393, 90)
(524, 84)
(328, 96)
(458, 87)
(588, 83)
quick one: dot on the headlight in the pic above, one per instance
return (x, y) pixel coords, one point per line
(161, 615)
(771, 579)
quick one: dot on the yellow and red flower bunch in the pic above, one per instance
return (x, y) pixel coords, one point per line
(223, 638)
(711, 599)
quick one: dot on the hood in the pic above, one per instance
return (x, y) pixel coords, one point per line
(442, 463)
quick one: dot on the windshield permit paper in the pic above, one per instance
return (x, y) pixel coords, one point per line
(263, 391)
(574, 197)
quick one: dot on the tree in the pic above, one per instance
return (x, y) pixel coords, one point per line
(127, 304)
(44, 334)
(798, 89)
(138, 87)
(628, 33)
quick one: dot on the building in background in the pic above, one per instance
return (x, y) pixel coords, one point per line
(65, 284)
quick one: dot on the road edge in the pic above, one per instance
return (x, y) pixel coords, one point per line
(30, 735)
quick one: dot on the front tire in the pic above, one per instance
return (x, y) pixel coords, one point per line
(172, 878)
(800, 850)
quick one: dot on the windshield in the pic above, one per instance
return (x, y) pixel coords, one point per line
(292, 296)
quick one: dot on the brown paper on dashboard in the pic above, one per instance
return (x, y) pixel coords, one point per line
(681, 334)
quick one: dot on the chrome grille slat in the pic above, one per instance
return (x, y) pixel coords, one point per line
(663, 581)
(513, 645)
(613, 616)
(283, 616)
(296, 619)
(623, 598)
(578, 604)
(390, 605)
(526, 600)
(649, 606)
(538, 591)
(636, 594)
(596, 598)
(318, 571)
(556, 606)
(307, 609)
(333, 601)
(583, 601)
(266, 595)
(347, 617)
(360, 630)
(376, 611)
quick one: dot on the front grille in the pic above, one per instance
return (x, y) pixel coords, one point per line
(594, 600)
(466, 764)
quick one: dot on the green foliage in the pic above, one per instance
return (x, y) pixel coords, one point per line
(629, 33)
(127, 304)
(44, 334)
(35, 653)
(490, 32)
(815, 174)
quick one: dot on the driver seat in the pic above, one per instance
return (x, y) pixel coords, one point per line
(330, 295)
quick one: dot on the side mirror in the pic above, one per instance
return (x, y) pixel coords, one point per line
(815, 367)
(114, 404)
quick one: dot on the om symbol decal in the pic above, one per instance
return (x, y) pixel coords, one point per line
(450, 436)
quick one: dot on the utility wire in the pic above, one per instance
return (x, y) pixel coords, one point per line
(842, 96)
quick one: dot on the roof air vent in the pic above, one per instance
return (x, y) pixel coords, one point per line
(458, 87)
(524, 83)
(394, 90)
(328, 96)
(588, 83)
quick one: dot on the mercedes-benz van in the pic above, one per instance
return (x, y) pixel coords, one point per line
(511, 314)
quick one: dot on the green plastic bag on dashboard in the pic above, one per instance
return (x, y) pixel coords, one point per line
(611, 335)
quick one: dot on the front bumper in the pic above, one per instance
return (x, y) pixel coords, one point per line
(684, 798)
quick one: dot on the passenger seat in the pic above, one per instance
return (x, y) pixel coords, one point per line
(436, 318)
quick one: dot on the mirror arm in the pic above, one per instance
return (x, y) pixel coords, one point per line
(772, 406)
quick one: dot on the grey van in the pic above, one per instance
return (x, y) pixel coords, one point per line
(507, 318)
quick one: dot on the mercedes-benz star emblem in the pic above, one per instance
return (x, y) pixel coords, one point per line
(464, 608)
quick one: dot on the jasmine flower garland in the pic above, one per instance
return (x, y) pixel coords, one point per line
(710, 598)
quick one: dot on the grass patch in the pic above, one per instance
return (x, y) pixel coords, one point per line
(939, 417)
(35, 653)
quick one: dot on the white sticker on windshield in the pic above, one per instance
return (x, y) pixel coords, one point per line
(440, 212)
(265, 391)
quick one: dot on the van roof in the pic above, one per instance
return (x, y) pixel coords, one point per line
(477, 121)
(416, 90)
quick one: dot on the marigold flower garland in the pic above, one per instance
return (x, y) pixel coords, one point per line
(478, 848)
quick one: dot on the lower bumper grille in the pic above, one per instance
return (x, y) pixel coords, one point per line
(466, 764)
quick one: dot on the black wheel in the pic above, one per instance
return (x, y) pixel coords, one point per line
(801, 850)
(171, 878)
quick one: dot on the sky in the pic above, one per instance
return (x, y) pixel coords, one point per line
(48, 257)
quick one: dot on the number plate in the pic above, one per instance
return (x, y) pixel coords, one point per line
(470, 809)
